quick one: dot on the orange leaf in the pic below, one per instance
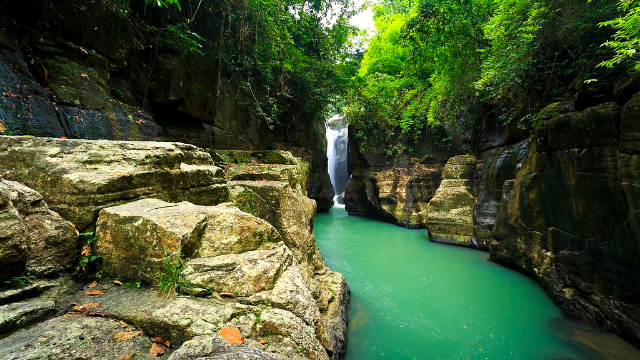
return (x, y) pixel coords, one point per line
(158, 340)
(123, 336)
(263, 341)
(92, 285)
(93, 292)
(167, 343)
(231, 335)
(84, 75)
(157, 349)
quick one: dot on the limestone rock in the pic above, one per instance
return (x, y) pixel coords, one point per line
(450, 212)
(73, 337)
(78, 178)
(239, 274)
(21, 314)
(214, 348)
(180, 319)
(36, 239)
(135, 239)
(290, 212)
(403, 193)
(494, 167)
(570, 220)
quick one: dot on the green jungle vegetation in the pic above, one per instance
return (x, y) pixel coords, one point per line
(431, 64)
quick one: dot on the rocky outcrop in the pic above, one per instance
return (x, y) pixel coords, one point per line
(494, 167)
(106, 85)
(33, 239)
(257, 271)
(450, 211)
(569, 218)
(78, 178)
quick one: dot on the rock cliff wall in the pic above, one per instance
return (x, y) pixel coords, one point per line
(560, 205)
(77, 69)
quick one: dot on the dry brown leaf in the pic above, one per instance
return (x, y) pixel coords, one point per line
(263, 341)
(229, 295)
(129, 356)
(167, 343)
(93, 292)
(157, 349)
(123, 336)
(86, 306)
(231, 335)
(86, 250)
(92, 285)
(122, 324)
(157, 340)
(84, 75)
(117, 282)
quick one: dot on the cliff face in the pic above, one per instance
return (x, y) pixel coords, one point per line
(570, 217)
(79, 70)
(560, 205)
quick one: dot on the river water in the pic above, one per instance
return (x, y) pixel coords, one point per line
(414, 299)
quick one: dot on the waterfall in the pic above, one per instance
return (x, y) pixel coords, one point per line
(337, 156)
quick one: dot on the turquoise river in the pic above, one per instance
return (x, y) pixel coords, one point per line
(414, 299)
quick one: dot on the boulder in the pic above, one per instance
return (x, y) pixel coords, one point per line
(35, 239)
(450, 211)
(136, 239)
(289, 211)
(241, 274)
(78, 178)
(213, 347)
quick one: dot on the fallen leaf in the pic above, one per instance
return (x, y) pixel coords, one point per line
(117, 282)
(263, 341)
(127, 357)
(229, 295)
(231, 335)
(2, 127)
(157, 340)
(63, 137)
(93, 292)
(13, 106)
(167, 343)
(122, 324)
(84, 75)
(86, 250)
(92, 285)
(157, 349)
(86, 306)
(123, 336)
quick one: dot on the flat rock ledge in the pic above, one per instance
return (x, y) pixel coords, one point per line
(78, 178)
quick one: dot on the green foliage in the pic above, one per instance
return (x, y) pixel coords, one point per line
(89, 260)
(20, 281)
(626, 40)
(169, 280)
(436, 64)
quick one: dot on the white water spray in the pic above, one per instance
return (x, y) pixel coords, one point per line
(336, 153)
